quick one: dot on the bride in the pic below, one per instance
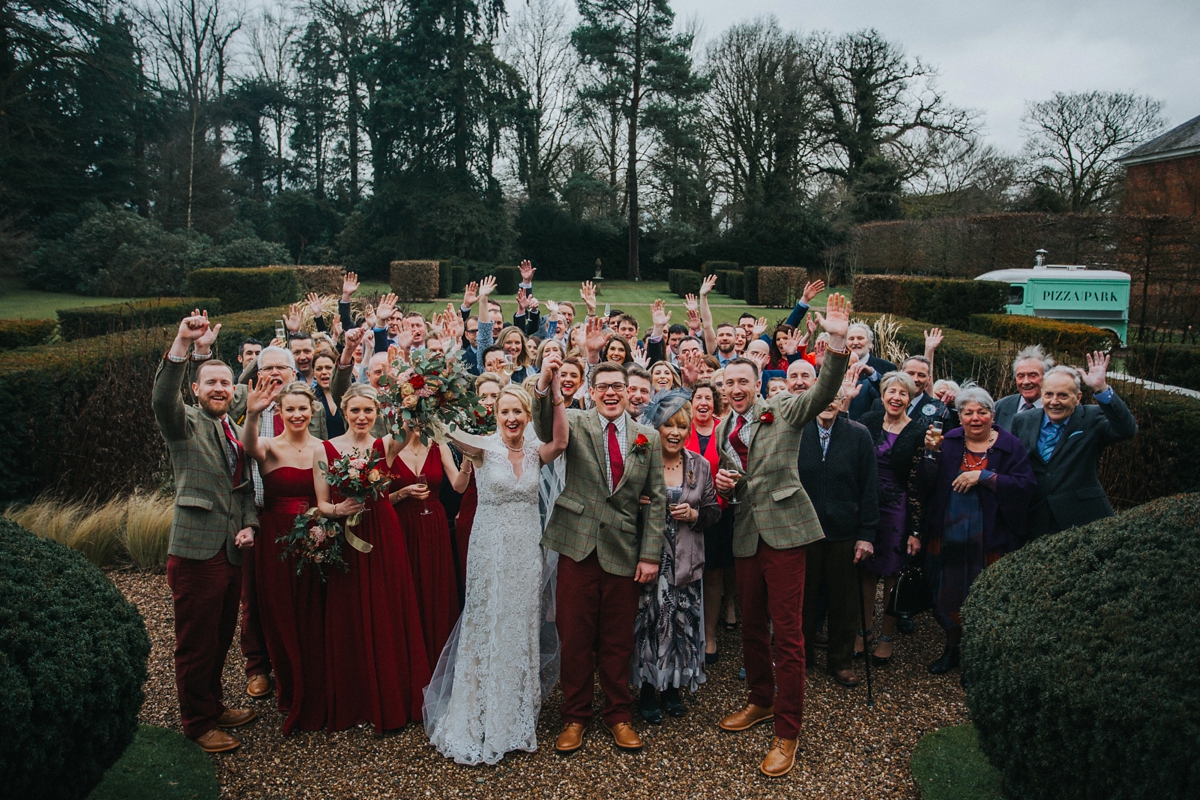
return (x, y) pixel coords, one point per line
(501, 659)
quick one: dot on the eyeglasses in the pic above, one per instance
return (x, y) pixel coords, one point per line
(274, 368)
(604, 387)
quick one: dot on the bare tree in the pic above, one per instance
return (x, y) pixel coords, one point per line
(272, 45)
(1073, 140)
(193, 51)
(961, 176)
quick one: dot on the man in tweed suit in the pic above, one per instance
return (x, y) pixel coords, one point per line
(611, 462)
(214, 517)
(773, 520)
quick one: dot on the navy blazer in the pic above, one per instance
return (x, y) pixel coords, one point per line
(1068, 488)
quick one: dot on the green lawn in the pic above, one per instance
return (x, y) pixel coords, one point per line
(161, 764)
(948, 765)
(17, 302)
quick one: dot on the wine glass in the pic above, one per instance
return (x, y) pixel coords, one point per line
(280, 331)
(937, 430)
(423, 482)
(508, 365)
(736, 475)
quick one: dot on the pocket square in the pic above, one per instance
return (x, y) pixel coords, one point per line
(1076, 433)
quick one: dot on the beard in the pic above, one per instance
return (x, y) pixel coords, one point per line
(217, 408)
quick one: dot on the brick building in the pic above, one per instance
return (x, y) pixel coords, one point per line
(1163, 175)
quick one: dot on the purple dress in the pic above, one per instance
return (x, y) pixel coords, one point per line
(893, 507)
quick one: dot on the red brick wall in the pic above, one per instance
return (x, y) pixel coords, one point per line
(1164, 187)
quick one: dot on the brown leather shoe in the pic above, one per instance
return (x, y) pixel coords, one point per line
(258, 686)
(235, 717)
(748, 717)
(845, 677)
(624, 736)
(217, 741)
(571, 738)
(780, 758)
(821, 639)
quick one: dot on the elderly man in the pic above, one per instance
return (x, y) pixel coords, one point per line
(801, 376)
(860, 340)
(213, 522)
(1065, 440)
(1029, 367)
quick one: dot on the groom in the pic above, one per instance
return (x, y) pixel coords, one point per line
(611, 462)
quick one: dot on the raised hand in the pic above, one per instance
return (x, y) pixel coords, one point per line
(659, 314)
(354, 338)
(262, 393)
(836, 320)
(522, 300)
(552, 309)
(811, 323)
(404, 339)
(454, 326)
(205, 342)
(818, 354)
(760, 327)
(527, 270)
(549, 371)
(791, 342)
(337, 328)
(315, 304)
(294, 317)
(349, 286)
(639, 354)
(760, 358)
(694, 322)
(691, 303)
(194, 326)
(369, 315)
(811, 290)
(470, 294)
(1097, 370)
(385, 309)
(933, 338)
(486, 287)
(534, 303)
(707, 285)
(587, 293)
(689, 367)
(594, 334)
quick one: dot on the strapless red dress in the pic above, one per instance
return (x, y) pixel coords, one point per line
(375, 661)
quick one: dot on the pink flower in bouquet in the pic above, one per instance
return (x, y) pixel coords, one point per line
(425, 392)
(358, 463)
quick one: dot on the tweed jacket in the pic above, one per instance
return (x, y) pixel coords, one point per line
(1068, 488)
(772, 504)
(586, 517)
(209, 509)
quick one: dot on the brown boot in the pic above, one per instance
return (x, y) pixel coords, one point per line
(571, 738)
(217, 741)
(845, 677)
(780, 758)
(258, 686)
(235, 717)
(748, 717)
(624, 736)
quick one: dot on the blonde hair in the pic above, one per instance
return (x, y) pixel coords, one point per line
(300, 388)
(521, 359)
(682, 418)
(520, 393)
(487, 377)
(676, 382)
(902, 378)
(360, 390)
(541, 351)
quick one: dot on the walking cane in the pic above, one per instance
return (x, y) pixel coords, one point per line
(862, 621)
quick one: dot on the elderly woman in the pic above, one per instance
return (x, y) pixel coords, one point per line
(669, 628)
(897, 449)
(978, 484)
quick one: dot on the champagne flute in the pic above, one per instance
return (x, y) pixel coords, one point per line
(937, 431)
(508, 365)
(423, 483)
(280, 330)
(736, 475)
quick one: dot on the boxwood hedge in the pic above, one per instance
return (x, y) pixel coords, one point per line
(73, 656)
(1081, 651)
(1174, 364)
(83, 323)
(1055, 335)
(242, 289)
(16, 333)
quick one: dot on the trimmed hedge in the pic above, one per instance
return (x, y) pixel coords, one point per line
(16, 333)
(733, 285)
(237, 328)
(322, 279)
(719, 286)
(73, 656)
(415, 280)
(687, 282)
(780, 287)
(1062, 337)
(1174, 364)
(508, 280)
(943, 301)
(445, 282)
(242, 289)
(458, 279)
(709, 267)
(84, 323)
(1081, 651)
(750, 285)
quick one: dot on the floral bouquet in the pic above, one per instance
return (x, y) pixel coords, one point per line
(315, 541)
(433, 393)
(357, 476)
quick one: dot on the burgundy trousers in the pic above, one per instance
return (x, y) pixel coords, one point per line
(253, 642)
(205, 595)
(771, 589)
(595, 617)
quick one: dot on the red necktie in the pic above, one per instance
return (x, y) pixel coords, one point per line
(237, 448)
(735, 441)
(615, 461)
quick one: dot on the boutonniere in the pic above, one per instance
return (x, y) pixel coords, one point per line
(641, 444)
(691, 477)
(766, 418)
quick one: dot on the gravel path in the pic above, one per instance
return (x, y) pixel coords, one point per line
(846, 750)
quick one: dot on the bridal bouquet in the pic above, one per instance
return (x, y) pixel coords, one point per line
(313, 541)
(432, 393)
(357, 476)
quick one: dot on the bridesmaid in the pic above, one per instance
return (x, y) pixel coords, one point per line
(292, 608)
(375, 664)
(417, 471)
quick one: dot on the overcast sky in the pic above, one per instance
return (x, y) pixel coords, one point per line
(995, 56)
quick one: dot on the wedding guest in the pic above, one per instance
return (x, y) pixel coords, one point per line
(291, 607)
(1065, 441)
(861, 341)
(417, 471)
(775, 386)
(302, 348)
(664, 377)
(375, 659)
(897, 440)
(248, 351)
(324, 364)
(212, 522)
(720, 582)
(837, 468)
(978, 483)
(495, 361)
(516, 353)
(1029, 367)
(572, 376)
(641, 389)
(668, 632)
(773, 521)
(616, 350)
(801, 376)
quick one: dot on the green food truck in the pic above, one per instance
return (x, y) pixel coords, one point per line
(1098, 297)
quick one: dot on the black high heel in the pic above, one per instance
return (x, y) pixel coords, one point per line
(948, 661)
(882, 661)
(867, 642)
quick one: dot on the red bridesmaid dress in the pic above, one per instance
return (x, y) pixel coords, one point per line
(376, 665)
(429, 551)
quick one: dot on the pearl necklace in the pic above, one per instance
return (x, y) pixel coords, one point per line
(516, 449)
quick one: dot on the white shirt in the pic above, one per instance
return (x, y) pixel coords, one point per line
(1022, 402)
(266, 430)
(621, 443)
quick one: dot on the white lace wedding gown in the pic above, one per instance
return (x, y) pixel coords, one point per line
(502, 658)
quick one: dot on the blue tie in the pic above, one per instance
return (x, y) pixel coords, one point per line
(1049, 440)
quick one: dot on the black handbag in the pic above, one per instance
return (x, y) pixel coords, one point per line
(910, 594)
